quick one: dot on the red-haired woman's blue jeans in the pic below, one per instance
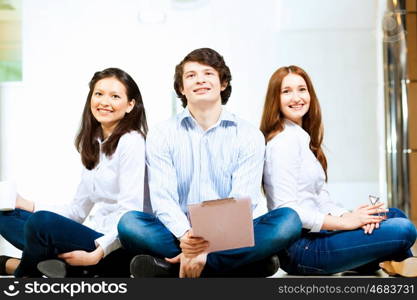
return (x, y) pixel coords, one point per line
(142, 233)
(328, 252)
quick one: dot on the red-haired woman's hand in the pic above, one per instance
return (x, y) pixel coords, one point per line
(365, 216)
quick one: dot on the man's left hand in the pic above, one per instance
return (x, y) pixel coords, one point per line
(190, 267)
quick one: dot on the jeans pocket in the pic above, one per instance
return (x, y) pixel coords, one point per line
(308, 257)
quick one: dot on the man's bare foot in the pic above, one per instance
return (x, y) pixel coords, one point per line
(11, 265)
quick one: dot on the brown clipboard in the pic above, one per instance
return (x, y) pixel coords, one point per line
(225, 223)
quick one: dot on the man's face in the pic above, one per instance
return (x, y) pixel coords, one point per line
(201, 84)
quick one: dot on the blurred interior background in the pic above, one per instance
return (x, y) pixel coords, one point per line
(361, 55)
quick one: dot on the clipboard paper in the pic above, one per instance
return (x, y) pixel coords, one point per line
(225, 223)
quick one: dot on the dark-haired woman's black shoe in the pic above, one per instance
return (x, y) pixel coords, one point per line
(3, 261)
(53, 268)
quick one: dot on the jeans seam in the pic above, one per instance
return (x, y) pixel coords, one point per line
(371, 244)
(302, 247)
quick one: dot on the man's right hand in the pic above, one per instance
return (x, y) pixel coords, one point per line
(192, 246)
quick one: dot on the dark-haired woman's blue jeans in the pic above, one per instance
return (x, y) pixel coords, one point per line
(43, 235)
(328, 252)
(142, 233)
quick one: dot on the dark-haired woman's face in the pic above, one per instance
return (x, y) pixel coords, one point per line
(109, 103)
(295, 98)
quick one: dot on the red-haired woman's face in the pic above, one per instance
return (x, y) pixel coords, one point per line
(295, 98)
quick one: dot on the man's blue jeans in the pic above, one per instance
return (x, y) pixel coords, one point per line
(143, 233)
(44, 235)
(328, 252)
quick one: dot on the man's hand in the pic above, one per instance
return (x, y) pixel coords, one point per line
(82, 258)
(191, 245)
(190, 267)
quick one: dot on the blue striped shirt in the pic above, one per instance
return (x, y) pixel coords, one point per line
(189, 165)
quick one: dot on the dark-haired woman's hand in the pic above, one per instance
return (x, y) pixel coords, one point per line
(82, 258)
(24, 204)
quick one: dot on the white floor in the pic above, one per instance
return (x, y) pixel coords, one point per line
(379, 274)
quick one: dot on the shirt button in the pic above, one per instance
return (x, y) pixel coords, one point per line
(306, 248)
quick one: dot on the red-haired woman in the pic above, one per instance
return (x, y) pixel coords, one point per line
(295, 175)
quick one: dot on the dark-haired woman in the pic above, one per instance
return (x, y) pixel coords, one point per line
(111, 141)
(295, 175)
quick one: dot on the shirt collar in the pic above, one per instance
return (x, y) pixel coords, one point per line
(225, 118)
(289, 122)
(101, 141)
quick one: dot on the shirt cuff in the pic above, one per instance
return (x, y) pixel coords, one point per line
(108, 243)
(38, 206)
(178, 224)
(178, 229)
(318, 223)
(337, 211)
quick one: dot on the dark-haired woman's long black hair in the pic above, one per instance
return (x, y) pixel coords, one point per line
(90, 129)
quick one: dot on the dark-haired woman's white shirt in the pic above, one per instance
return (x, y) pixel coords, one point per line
(293, 177)
(116, 185)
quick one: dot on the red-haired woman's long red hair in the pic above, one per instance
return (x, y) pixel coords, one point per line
(272, 121)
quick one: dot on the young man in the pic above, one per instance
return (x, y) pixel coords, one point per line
(203, 153)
